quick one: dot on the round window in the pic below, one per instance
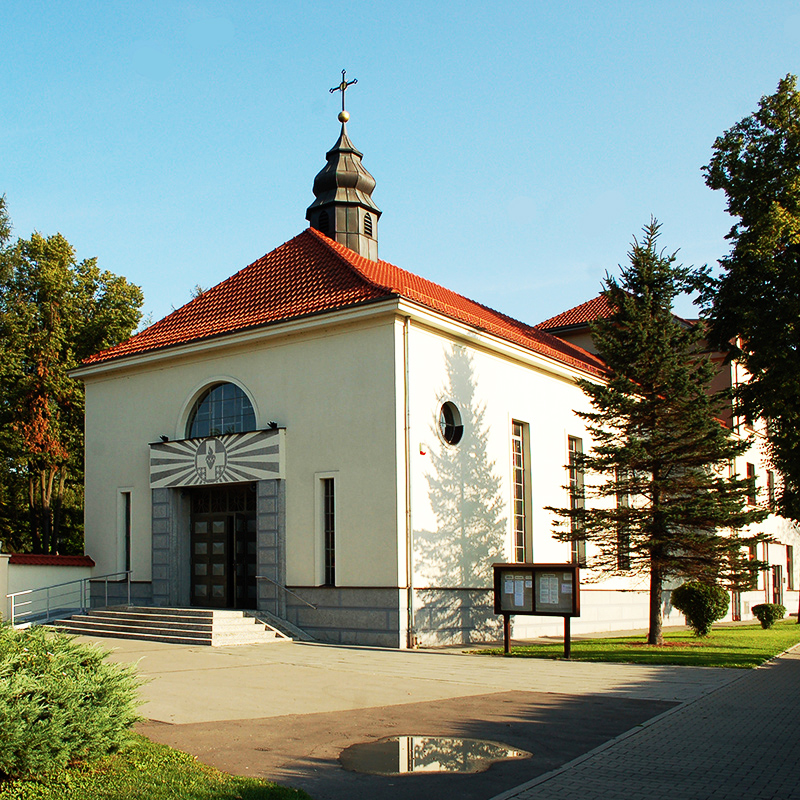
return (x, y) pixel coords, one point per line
(450, 423)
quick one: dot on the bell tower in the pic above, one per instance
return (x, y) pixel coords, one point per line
(343, 209)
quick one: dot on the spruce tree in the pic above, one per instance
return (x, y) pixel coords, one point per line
(659, 499)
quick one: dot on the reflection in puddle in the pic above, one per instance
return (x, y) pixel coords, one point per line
(397, 755)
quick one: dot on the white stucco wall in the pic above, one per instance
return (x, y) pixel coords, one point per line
(331, 388)
(497, 391)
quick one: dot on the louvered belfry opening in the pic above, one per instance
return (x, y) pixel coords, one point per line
(343, 209)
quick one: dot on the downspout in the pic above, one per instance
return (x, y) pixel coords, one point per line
(411, 637)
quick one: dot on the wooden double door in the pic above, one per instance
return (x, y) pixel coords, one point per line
(223, 545)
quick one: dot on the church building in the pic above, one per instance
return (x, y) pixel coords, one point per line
(331, 440)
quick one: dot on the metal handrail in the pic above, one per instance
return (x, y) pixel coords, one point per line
(285, 589)
(33, 596)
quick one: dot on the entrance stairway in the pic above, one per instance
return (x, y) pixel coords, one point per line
(199, 626)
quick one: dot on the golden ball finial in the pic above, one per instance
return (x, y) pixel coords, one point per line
(344, 116)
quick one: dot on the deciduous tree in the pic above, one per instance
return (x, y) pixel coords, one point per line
(754, 307)
(659, 497)
(54, 311)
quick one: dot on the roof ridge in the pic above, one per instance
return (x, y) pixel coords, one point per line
(547, 340)
(347, 255)
(350, 255)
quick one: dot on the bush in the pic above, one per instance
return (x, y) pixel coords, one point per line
(768, 613)
(60, 701)
(701, 603)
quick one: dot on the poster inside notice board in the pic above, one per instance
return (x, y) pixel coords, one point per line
(516, 592)
(553, 592)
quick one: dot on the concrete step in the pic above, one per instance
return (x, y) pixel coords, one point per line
(146, 621)
(204, 613)
(216, 627)
(106, 633)
(173, 620)
(80, 623)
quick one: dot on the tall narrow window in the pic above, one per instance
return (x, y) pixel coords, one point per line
(752, 554)
(576, 498)
(126, 527)
(623, 530)
(123, 540)
(790, 567)
(520, 511)
(771, 494)
(367, 224)
(329, 530)
(751, 484)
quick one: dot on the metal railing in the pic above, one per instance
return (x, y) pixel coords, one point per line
(39, 606)
(280, 586)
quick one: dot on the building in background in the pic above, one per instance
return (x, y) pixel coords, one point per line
(777, 584)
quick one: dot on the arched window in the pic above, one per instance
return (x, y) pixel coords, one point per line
(367, 224)
(222, 408)
(324, 222)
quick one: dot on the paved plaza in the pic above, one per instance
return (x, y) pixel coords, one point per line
(285, 711)
(740, 742)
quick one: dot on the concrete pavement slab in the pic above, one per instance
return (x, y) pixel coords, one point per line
(204, 684)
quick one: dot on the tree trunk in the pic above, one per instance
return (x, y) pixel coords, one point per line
(57, 506)
(46, 479)
(655, 635)
(33, 520)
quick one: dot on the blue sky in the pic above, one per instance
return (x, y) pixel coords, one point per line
(517, 147)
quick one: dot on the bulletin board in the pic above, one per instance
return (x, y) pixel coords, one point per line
(550, 590)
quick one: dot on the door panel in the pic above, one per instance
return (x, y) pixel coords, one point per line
(245, 564)
(211, 557)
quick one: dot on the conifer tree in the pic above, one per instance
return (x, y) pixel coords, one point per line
(659, 499)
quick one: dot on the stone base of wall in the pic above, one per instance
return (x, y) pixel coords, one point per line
(141, 593)
(455, 616)
(365, 616)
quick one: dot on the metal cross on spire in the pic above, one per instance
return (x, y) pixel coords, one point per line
(342, 87)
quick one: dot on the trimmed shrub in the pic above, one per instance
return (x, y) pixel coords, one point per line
(60, 701)
(768, 613)
(701, 603)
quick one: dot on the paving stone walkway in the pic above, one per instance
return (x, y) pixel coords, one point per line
(739, 742)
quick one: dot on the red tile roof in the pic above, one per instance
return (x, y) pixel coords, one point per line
(313, 274)
(33, 559)
(596, 308)
(588, 312)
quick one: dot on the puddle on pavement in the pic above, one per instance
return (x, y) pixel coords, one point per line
(398, 755)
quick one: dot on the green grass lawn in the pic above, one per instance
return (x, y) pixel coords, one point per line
(145, 771)
(733, 646)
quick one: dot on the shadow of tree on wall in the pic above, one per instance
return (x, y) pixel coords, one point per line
(453, 564)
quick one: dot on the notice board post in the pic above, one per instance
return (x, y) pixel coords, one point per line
(546, 590)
